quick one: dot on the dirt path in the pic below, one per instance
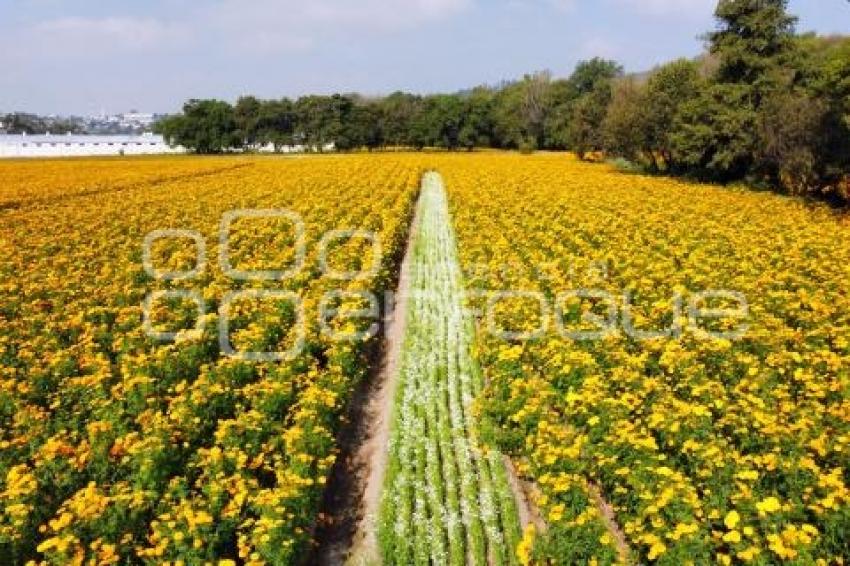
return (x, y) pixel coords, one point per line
(610, 520)
(364, 549)
(348, 530)
(523, 494)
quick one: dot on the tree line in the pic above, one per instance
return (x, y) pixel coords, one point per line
(531, 113)
(32, 124)
(764, 105)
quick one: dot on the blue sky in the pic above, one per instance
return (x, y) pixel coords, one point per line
(83, 56)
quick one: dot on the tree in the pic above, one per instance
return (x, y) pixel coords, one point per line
(362, 127)
(534, 106)
(398, 113)
(788, 128)
(590, 93)
(588, 115)
(477, 128)
(276, 123)
(825, 81)
(754, 41)
(588, 74)
(507, 123)
(320, 119)
(668, 89)
(834, 88)
(624, 128)
(206, 126)
(246, 114)
(714, 134)
(440, 123)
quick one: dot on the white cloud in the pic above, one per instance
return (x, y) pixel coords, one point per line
(76, 34)
(693, 8)
(286, 25)
(599, 47)
(566, 6)
(563, 5)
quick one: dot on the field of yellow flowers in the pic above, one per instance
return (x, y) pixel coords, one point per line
(116, 447)
(715, 437)
(665, 363)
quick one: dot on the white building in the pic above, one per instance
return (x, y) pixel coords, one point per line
(299, 148)
(80, 145)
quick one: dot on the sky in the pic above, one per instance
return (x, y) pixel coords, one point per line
(88, 56)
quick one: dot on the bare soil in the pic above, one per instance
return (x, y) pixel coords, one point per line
(523, 493)
(347, 529)
(610, 520)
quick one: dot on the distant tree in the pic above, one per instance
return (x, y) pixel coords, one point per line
(361, 127)
(276, 123)
(590, 88)
(398, 113)
(24, 123)
(833, 86)
(557, 123)
(477, 122)
(714, 134)
(787, 148)
(754, 43)
(667, 91)
(522, 112)
(441, 122)
(589, 112)
(534, 106)
(625, 126)
(508, 130)
(452, 115)
(588, 74)
(246, 114)
(825, 70)
(320, 119)
(206, 126)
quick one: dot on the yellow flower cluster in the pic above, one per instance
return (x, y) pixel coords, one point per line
(116, 447)
(709, 445)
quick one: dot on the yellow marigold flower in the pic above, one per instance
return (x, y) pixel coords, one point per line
(656, 550)
(769, 505)
(732, 519)
(526, 545)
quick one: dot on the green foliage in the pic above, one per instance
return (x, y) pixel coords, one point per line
(246, 115)
(667, 90)
(588, 75)
(24, 123)
(754, 37)
(477, 129)
(589, 112)
(713, 136)
(206, 126)
(625, 125)
(788, 139)
(590, 92)
(276, 122)
(764, 106)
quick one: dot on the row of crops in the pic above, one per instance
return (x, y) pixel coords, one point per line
(445, 500)
(117, 448)
(710, 446)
